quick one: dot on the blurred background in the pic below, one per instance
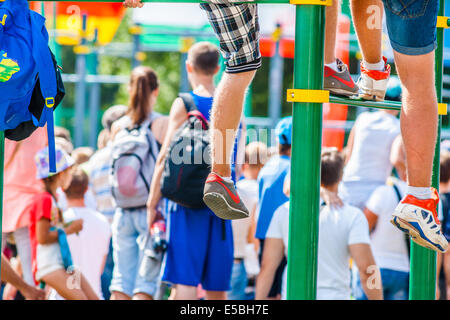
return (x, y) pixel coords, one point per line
(97, 45)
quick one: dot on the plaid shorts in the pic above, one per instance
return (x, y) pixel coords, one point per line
(237, 28)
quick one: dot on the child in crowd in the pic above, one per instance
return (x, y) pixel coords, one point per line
(244, 229)
(47, 226)
(343, 234)
(80, 156)
(90, 246)
(200, 245)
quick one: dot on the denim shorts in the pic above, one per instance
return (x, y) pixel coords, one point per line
(129, 240)
(412, 25)
(395, 285)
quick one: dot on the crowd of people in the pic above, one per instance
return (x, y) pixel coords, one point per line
(124, 222)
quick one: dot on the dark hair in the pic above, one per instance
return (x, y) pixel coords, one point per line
(143, 81)
(332, 167)
(283, 149)
(79, 184)
(444, 171)
(204, 57)
(47, 186)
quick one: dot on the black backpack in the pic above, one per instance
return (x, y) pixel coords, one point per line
(187, 162)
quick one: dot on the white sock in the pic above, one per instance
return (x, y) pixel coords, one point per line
(420, 192)
(375, 66)
(333, 66)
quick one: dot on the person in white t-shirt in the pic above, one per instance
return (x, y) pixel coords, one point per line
(246, 245)
(368, 161)
(343, 234)
(89, 248)
(389, 244)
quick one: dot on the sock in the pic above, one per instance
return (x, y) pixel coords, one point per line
(333, 66)
(420, 192)
(375, 66)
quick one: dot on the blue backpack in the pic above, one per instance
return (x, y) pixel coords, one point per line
(30, 82)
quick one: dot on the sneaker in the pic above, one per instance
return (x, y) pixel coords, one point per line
(221, 197)
(339, 82)
(419, 219)
(373, 83)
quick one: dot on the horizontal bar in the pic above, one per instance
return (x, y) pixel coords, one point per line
(393, 105)
(96, 78)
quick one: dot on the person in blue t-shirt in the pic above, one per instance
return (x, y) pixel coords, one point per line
(200, 245)
(271, 196)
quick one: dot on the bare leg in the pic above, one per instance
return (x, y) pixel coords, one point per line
(116, 295)
(185, 292)
(216, 295)
(367, 19)
(331, 19)
(225, 116)
(87, 289)
(419, 115)
(142, 296)
(60, 280)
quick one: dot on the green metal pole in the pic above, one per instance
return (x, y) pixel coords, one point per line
(2, 161)
(423, 261)
(306, 148)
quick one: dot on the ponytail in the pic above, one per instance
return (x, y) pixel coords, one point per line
(143, 82)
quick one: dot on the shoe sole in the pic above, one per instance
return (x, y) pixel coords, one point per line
(372, 97)
(217, 203)
(416, 235)
(341, 92)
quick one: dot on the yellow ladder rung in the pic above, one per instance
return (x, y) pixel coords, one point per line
(314, 2)
(312, 96)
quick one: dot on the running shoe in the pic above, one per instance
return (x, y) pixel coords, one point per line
(339, 82)
(222, 198)
(419, 219)
(373, 83)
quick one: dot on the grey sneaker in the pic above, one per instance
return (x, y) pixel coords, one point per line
(221, 197)
(339, 83)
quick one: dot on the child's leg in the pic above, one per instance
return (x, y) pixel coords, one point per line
(216, 295)
(65, 285)
(87, 289)
(185, 292)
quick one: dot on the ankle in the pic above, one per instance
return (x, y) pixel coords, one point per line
(379, 66)
(422, 193)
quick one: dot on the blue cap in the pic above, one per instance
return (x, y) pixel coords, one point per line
(283, 130)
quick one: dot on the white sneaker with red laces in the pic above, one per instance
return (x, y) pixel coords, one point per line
(419, 219)
(373, 83)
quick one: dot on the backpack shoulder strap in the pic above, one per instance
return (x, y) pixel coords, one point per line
(47, 80)
(188, 101)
